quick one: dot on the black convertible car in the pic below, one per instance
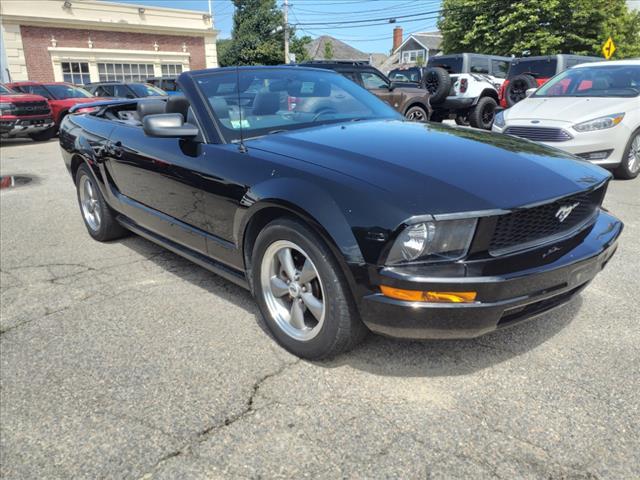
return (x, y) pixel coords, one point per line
(339, 215)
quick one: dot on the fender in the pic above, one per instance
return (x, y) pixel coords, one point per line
(415, 102)
(305, 199)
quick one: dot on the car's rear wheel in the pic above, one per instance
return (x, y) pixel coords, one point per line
(416, 114)
(630, 164)
(482, 115)
(462, 120)
(98, 217)
(302, 293)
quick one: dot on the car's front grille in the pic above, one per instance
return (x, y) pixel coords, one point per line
(31, 108)
(540, 134)
(528, 227)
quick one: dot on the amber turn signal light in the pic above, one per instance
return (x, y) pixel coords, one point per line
(428, 296)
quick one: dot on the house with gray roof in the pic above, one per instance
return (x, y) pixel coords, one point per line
(416, 48)
(340, 51)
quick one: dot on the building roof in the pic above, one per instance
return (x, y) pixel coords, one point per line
(341, 51)
(429, 40)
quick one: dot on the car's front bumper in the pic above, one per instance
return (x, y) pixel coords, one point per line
(19, 127)
(502, 300)
(611, 140)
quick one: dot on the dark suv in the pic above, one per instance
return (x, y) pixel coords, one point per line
(124, 90)
(533, 72)
(409, 99)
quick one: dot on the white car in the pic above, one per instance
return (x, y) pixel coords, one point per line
(591, 110)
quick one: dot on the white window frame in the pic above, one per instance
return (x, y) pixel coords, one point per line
(94, 56)
(407, 54)
(171, 69)
(125, 71)
(77, 78)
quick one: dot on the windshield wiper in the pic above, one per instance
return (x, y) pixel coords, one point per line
(273, 132)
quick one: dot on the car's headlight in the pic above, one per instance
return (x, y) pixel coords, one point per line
(433, 241)
(6, 107)
(498, 121)
(600, 123)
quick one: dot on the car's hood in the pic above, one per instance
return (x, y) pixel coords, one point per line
(436, 169)
(21, 97)
(568, 109)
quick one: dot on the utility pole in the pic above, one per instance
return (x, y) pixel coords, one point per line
(286, 31)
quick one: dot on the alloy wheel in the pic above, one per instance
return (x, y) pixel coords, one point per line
(416, 115)
(633, 160)
(292, 290)
(89, 203)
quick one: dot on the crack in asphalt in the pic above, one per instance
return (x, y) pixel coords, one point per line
(206, 433)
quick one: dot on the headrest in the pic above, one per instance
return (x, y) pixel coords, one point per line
(150, 107)
(178, 104)
(266, 103)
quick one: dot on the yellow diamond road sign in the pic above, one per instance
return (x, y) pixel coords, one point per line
(608, 48)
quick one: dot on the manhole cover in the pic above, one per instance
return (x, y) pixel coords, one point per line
(10, 181)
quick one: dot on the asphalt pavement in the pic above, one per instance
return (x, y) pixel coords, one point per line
(123, 360)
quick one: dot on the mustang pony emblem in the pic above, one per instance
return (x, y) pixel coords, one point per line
(564, 211)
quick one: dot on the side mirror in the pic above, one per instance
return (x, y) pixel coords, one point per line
(168, 125)
(530, 91)
(392, 86)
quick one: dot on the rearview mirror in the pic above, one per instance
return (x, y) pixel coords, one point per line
(168, 125)
(530, 91)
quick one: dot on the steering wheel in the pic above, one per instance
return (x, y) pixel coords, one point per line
(324, 111)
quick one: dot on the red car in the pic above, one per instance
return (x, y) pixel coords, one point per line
(61, 96)
(23, 115)
(533, 72)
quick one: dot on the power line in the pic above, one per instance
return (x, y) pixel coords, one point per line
(385, 19)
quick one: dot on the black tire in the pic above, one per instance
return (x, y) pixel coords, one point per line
(416, 114)
(462, 120)
(517, 88)
(107, 228)
(438, 83)
(629, 169)
(43, 135)
(341, 328)
(483, 114)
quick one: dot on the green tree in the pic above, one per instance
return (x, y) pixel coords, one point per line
(257, 37)
(505, 27)
(328, 50)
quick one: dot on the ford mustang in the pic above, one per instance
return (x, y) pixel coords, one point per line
(340, 216)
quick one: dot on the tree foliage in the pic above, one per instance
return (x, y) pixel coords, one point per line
(505, 27)
(328, 50)
(257, 37)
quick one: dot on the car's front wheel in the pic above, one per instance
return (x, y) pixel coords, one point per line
(630, 165)
(302, 293)
(43, 135)
(98, 217)
(417, 114)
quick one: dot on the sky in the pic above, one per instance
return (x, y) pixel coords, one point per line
(413, 16)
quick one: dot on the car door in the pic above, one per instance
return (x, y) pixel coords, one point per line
(178, 189)
(379, 86)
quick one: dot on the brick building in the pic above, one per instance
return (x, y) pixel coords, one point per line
(82, 41)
